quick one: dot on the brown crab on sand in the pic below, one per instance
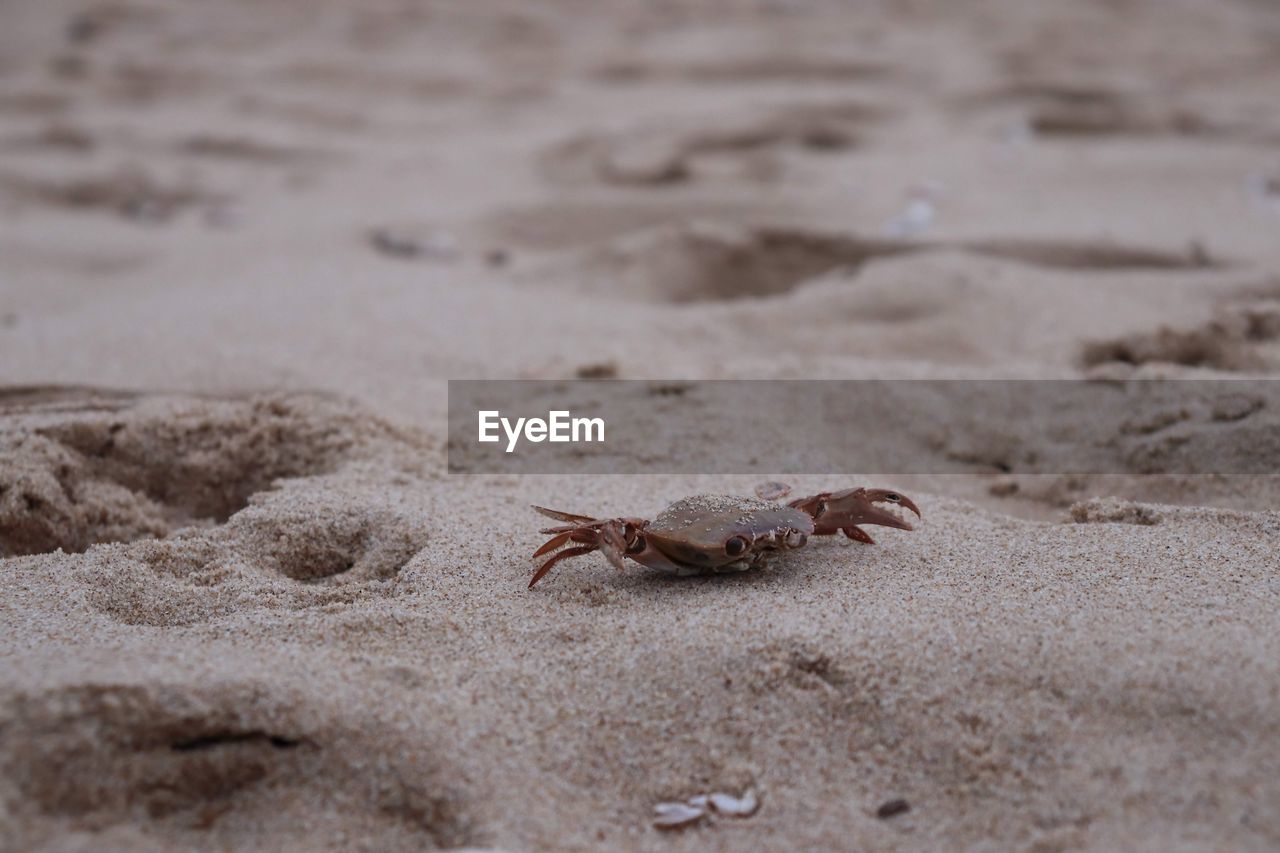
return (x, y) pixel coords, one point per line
(721, 533)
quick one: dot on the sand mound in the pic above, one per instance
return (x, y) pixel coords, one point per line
(122, 763)
(683, 150)
(1243, 336)
(712, 261)
(707, 260)
(81, 466)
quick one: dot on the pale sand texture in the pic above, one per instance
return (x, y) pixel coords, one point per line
(300, 633)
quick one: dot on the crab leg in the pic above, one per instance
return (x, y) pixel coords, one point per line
(613, 537)
(857, 534)
(562, 516)
(552, 544)
(576, 551)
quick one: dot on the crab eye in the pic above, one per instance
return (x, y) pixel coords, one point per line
(796, 539)
(736, 546)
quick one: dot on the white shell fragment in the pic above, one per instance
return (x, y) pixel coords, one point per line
(676, 815)
(694, 809)
(915, 218)
(744, 806)
(772, 491)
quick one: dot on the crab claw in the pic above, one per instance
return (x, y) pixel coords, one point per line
(613, 543)
(834, 512)
(862, 506)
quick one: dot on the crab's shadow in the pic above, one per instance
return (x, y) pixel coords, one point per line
(790, 573)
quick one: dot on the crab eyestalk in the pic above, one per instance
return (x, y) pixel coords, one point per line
(834, 512)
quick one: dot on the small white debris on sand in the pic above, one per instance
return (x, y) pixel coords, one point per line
(676, 815)
(772, 491)
(694, 809)
(744, 806)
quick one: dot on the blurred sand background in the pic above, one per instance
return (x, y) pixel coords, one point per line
(243, 244)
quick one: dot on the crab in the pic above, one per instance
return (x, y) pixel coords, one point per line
(719, 533)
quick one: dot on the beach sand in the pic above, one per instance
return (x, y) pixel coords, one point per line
(243, 245)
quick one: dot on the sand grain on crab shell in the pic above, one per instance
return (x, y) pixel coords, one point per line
(707, 521)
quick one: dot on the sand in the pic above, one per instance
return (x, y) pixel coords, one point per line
(243, 245)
